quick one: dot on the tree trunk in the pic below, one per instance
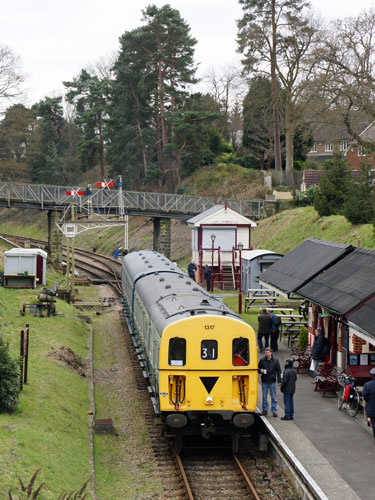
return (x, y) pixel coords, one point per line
(289, 136)
(275, 93)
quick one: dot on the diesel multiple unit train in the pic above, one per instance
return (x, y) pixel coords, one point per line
(199, 356)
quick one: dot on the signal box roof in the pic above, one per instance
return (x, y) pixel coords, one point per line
(220, 215)
(345, 285)
(302, 264)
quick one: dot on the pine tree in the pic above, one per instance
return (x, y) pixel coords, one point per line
(359, 204)
(329, 199)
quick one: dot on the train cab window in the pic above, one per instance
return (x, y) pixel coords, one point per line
(209, 349)
(240, 351)
(177, 351)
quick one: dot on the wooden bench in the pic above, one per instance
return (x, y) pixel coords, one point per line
(302, 357)
(327, 379)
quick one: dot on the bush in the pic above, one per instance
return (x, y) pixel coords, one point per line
(302, 340)
(9, 379)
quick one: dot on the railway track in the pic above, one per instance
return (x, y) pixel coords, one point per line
(100, 268)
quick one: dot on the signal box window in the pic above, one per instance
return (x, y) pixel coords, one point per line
(209, 349)
(177, 351)
(240, 352)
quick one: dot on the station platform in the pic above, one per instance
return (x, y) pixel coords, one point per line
(337, 450)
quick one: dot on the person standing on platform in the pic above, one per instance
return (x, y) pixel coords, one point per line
(191, 270)
(368, 394)
(207, 277)
(288, 388)
(270, 369)
(318, 351)
(275, 331)
(264, 329)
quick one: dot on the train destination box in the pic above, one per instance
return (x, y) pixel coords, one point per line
(24, 267)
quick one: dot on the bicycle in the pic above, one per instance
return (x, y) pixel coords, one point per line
(348, 395)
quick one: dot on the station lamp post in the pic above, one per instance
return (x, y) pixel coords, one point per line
(213, 238)
(240, 247)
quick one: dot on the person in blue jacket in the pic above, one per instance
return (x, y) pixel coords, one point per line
(368, 394)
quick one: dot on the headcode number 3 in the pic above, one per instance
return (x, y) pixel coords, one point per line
(209, 327)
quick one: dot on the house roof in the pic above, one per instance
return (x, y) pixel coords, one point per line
(220, 215)
(345, 285)
(312, 177)
(302, 264)
(364, 317)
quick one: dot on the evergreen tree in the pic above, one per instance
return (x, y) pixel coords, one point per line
(153, 69)
(90, 95)
(9, 378)
(329, 199)
(16, 129)
(359, 204)
(47, 143)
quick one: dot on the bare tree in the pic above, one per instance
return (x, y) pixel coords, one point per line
(228, 88)
(348, 68)
(11, 77)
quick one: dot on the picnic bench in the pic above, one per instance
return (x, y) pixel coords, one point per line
(291, 328)
(302, 357)
(284, 311)
(326, 380)
(269, 298)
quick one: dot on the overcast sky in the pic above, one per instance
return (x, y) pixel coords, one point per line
(56, 39)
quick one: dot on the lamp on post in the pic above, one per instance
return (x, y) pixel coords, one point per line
(240, 247)
(213, 238)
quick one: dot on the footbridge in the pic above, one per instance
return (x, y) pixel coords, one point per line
(105, 200)
(162, 207)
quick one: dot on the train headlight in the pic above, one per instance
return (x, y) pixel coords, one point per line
(209, 400)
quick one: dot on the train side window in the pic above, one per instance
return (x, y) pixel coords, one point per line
(209, 349)
(240, 351)
(177, 351)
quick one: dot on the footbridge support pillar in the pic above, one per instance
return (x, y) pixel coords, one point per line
(162, 235)
(54, 239)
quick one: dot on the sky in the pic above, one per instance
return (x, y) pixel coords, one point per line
(56, 39)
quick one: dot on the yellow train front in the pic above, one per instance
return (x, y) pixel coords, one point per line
(201, 358)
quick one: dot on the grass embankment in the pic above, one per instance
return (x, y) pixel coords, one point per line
(49, 428)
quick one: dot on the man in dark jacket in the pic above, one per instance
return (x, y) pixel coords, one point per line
(264, 329)
(207, 277)
(318, 351)
(288, 388)
(368, 394)
(270, 369)
(191, 270)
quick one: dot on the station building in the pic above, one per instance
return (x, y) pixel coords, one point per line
(337, 281)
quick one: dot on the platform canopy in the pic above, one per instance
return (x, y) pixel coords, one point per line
(345, 285)
(302, 264)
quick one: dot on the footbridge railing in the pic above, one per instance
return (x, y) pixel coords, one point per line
(110, 200)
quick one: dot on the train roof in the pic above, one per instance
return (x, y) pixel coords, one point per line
(167, 292)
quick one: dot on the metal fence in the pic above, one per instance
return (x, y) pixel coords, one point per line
(161, 203)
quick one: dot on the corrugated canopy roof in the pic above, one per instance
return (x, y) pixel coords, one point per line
(364, 317)
(344, 285)
(303, 263)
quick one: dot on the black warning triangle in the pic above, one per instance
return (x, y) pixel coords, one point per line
(209, 383)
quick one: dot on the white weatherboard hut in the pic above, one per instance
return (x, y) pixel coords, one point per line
(24, 267)
(215, 233)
